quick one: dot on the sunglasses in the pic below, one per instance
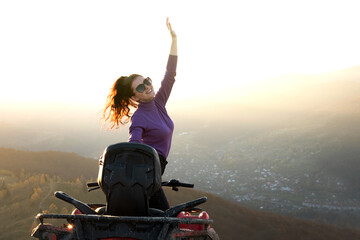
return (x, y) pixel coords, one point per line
(141, 87)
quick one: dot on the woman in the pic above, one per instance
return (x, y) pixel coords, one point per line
(150, 123)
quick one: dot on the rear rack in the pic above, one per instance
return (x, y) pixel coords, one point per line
(124, 219)
(90, 226)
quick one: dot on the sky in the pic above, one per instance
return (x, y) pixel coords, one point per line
(68, 53)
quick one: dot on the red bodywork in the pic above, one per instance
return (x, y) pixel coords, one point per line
(194, 227)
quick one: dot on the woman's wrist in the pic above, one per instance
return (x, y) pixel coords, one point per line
(173, 49)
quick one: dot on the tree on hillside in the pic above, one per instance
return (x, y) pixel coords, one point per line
(36, 194)
(53, 208)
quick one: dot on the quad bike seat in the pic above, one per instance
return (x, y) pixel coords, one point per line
(129, 174)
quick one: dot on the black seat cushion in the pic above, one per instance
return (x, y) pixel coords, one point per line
(129, 174)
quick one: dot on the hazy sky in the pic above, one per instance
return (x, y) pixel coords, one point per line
(70, 52)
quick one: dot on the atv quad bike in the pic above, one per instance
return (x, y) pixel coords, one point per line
(129, 174)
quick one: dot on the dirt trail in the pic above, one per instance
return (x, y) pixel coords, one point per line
(51, 191)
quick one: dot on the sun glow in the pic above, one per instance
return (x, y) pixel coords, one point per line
(73, 51)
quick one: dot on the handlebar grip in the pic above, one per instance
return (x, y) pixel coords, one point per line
(187, 185)
(176, 183)
(92, 184)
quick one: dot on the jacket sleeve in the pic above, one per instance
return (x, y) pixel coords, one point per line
(136, 130)
(167, 83)
(135, 134)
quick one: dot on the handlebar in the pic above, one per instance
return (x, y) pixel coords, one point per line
(174, 184)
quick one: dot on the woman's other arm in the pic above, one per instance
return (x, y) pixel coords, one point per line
(135, 134)
(136, 128)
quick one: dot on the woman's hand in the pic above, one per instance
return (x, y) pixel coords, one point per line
(172, 32)
(173, 49)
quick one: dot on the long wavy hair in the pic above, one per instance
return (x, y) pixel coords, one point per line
(119, 103)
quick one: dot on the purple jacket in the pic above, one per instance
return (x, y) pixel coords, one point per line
(150, 123)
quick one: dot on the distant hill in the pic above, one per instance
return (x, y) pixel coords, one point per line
(65, 165)
(23, 195)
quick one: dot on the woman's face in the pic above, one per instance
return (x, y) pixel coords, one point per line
(148, 94)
